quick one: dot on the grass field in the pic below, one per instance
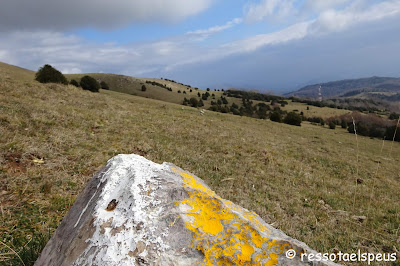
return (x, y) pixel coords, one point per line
(302, 180)
(323, 112)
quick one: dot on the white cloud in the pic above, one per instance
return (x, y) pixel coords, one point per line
(321, 5)
(269, 9)
(333, 20)
(61, 15)
(202, 34)
(294, 32)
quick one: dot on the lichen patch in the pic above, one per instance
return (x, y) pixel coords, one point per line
(225, 233)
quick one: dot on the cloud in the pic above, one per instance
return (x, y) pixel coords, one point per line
(321, 5)
(269, 9)
(203, 34)
(333, 20)
(101, 14)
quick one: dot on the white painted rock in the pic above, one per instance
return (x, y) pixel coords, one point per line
(137, 212)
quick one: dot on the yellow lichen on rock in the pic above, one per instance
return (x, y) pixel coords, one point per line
(224, 232)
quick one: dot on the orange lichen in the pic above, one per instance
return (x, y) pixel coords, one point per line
(225, 233)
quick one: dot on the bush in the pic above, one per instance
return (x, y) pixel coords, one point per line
(74, 82)
(332, 125)
(394, 116)
(90, 84)
(275, 116)
(292, 119)
(104, 85)
(144, 88)
(194, 102)
(47, 74)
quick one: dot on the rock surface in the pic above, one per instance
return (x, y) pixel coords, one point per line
(137, 212)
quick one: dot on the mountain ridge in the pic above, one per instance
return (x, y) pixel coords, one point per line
(370, 87)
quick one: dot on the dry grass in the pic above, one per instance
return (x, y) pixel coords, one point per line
(300, 179)
(323, 112)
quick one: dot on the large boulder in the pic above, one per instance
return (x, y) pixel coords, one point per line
(137, 212)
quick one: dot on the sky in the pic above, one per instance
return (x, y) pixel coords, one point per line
(266, 45)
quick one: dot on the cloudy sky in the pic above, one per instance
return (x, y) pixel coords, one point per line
(269, 45)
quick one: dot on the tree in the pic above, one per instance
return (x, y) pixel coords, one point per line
(47, 74)
(332, 125)
(89, 83)
(194, 102)
(144, 87)
(74, 82)
(275, 116)
(104, 85)
(292, 119)
(394, 116)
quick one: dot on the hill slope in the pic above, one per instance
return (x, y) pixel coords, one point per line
(301, 179)
(133, 85)
(387, 88)
(16, 73)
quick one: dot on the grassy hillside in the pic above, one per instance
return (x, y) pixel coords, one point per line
(309, 181)
(15, 73)
(132, 85)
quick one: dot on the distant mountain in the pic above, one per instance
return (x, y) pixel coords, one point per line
(385, 88)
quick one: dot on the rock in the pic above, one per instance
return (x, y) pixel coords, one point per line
(137, 212)
(360, 219)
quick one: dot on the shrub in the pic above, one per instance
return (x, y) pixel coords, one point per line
(332, 125)
(394, 116)
(47, 74)
(193, 102)
(275, 116)
(104, 85)
(224, 109)
(292, 119)
(74, 82)
(89, 83)
(235, 111)
(144, 87)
